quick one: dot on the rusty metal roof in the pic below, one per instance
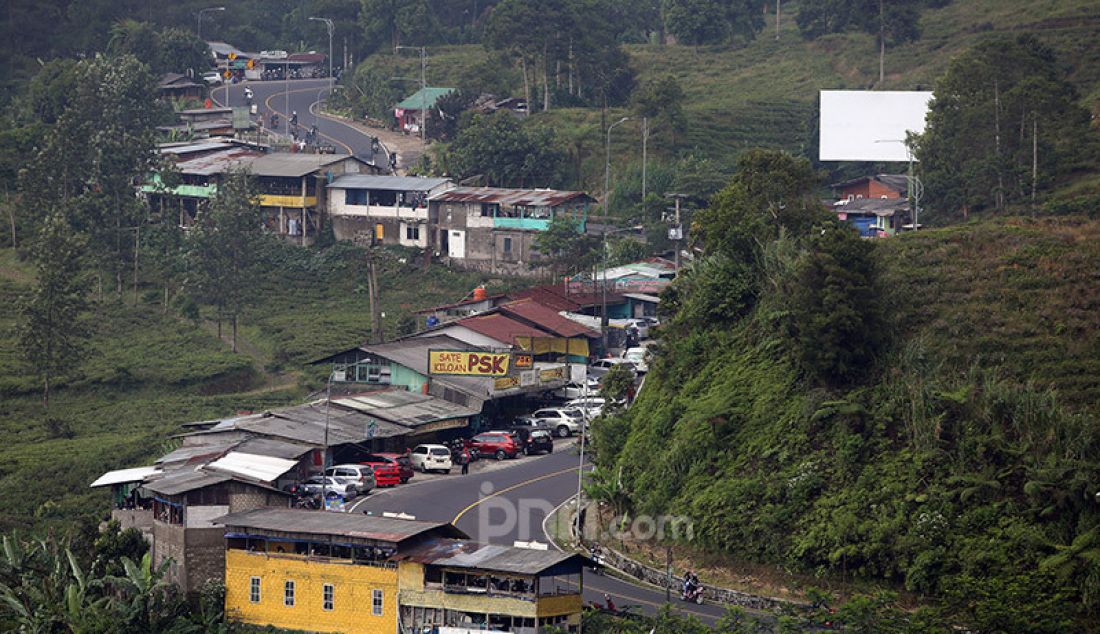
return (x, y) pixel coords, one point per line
(300, 522)
(512, 197)
(216, 162)
(472, 555)
(547, 318)
(499, 327)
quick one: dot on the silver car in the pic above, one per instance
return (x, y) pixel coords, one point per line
(314, 484)
(362, 476)
(563, 421)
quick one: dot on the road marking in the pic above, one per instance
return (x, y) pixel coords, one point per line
(624, 597)
(267, 104)
(511, 488)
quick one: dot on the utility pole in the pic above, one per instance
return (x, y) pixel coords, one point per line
(329, 27)
(1034, 159)
(607, 166)
(678, 228)
(881, 42)
(423, 90)
(777, 9)
(645, 142)
(202, 11)
(373, 297)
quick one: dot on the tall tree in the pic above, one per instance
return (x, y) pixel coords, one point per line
(506, 152)
(698, 22)
(999, 109)
(566, 247)
(223, 249)
(52, 334)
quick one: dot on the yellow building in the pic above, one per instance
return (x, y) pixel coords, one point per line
(333, 572)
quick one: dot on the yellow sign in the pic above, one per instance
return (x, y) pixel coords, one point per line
(552, 375)
(232, 56)
(523, 361)
(227, 74)
(505, 383)
(251, 64)
(467, 363)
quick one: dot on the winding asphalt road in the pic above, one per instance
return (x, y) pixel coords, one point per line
(301, 96)
(509, 504)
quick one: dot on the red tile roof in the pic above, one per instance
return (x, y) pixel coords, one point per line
(554, 296)
(531, 311)
(500, 327)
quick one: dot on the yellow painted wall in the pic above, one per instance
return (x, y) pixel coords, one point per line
(271, 200)
(410, 575)
(558, 605)
(353, 586)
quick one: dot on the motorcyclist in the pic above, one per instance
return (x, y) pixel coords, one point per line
(294, 118)
(248, 95)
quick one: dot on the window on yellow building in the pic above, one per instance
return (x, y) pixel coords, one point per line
(376, 603)
(254, 589)
(327, 594)
(288, 594)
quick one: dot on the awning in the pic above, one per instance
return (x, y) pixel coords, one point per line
(124, 476)
(256, 467)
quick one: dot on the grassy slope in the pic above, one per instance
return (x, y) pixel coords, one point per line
(147, 372)
(836, 485)
(764, 94)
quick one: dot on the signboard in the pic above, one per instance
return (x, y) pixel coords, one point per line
(554, 374)
(506, 383)
(870, 125)
(523, 360)
(468, 363)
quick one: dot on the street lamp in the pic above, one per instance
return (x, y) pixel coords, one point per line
(202, 11)
(607, 165)
(423, 90)
(329, 27)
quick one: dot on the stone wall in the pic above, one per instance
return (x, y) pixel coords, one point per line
(205, 557)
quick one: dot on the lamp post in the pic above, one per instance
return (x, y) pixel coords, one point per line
(329, 27)
(423, 90)
(607, 164)
(202, 11)
(915, 188)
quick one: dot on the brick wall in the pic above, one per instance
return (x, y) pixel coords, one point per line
(205, 557)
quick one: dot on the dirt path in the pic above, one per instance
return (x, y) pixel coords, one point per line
(272, 381)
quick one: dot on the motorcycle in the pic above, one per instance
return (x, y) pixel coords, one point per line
(692, 594)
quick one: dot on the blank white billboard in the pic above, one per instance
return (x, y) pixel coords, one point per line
(870, 125)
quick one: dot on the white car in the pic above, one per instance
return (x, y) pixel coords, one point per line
(601, 366)
(639, 357)
(362, 476)
(431, 458)
(592, 406)
(212, 78)
(562, 421)
(575, 389)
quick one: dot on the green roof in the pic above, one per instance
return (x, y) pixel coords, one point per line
(424, 98)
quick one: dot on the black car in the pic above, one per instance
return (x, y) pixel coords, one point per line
(533, 439)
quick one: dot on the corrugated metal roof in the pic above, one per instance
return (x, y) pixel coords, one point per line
(306, 424)
(405, 408)
(186, 454)
(546, 318)
(216, 162)
(188, 148)
(413, 354)
(182, 481)
(290, 165)
(346, 525)
(499, 327)
(273, 447)
(490, 557)
(513, 197)
(423, 98)
(387, 183)
(252, 466)
(652, 299)
(123, 476)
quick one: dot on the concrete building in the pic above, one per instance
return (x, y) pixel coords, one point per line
(383, 209)
(409, 112)
(330, 572)
(493, 230)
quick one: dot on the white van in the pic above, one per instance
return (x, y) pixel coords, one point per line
(431, 458)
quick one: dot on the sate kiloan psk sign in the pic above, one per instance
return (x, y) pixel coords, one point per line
(468, 363)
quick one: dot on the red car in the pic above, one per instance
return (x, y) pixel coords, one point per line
(499, 443)
(390, 469)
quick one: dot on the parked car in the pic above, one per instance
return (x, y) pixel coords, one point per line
(360, 475)
(314, 484)
(592, 406)
(641, 328)
(600, 367)
(533, 439)
(404, 465)
(575, 389)
(563, 421)
(386, 473)
(431, 458)
(499, 444)
(212, 78)
(639, 357)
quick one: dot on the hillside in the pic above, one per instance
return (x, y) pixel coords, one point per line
(147, 371)
(964, 460)
(764, 94)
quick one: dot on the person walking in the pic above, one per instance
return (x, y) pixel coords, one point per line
(464, 458)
